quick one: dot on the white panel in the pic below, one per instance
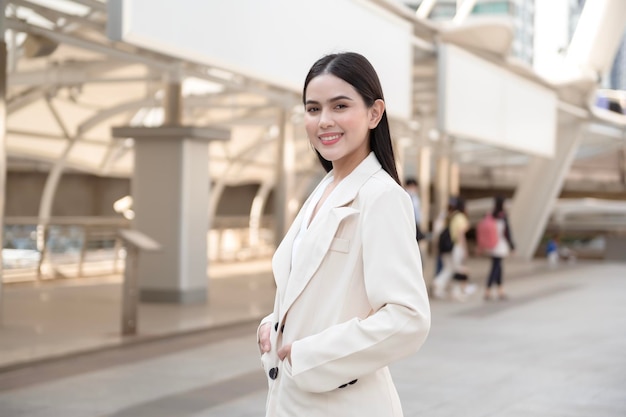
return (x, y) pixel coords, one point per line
(529, 122)
(272, 40)
(468, 101)
(480, 101)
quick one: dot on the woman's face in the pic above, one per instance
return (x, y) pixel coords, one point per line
(337, 121)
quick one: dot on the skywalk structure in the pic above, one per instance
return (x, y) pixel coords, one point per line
(187, 98)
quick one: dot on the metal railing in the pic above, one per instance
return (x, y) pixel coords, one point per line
(76, 247)
(65, 247)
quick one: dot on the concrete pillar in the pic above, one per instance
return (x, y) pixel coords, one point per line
(455, 179)
(621, 158)
(424, 167)
(170, 189)
(3, 155)
(442, 177)
(285, 173)
(539, 189)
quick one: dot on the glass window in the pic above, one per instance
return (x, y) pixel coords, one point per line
(498, 7)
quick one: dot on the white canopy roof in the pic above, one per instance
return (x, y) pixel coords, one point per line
(68, 84)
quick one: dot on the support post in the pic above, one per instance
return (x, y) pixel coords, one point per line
(170, 189)
(134, 241)
(540, 187)
(424, 162)
(283, 213)
(3, 155)
(442, 180)
(455, 179)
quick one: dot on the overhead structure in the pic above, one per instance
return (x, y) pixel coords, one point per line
(79, 68)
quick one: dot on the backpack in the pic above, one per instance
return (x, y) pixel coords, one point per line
(445, 241)
(487, 232)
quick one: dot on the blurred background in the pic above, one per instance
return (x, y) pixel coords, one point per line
(454, 75)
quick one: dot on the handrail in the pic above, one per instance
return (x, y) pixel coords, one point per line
(70, 221)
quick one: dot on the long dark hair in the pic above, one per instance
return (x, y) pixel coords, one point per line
(498, 206)
(357, 71)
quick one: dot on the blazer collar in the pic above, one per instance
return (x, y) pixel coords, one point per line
(348, 188)
(315, 244)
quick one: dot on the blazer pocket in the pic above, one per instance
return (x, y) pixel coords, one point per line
(340, 245)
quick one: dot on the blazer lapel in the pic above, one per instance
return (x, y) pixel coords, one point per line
(281, 261)
(322, 230)
(311, 252)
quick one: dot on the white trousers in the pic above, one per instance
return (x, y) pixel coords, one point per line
(452, 262)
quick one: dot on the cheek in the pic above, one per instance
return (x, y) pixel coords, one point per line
(310, 126)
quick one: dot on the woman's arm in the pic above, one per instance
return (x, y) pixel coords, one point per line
(394, 284)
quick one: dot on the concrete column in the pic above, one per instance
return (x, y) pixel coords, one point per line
(621, 157)
(3, 155)
(400, 156)
(455, 179)
(539, 189)
(256, 213)
(442, 177)
(170, 189)
(283, 191)
(173, 103)
(424, 167)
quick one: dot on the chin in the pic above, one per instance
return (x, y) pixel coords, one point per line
(330, 158)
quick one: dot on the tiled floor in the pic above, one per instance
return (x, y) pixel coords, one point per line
(62, 317)
(555, 349)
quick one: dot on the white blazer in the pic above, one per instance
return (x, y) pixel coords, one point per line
(353, 302)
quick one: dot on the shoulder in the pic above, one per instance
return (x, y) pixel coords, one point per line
(381, 185)
(380, 191)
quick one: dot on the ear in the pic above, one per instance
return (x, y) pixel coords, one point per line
(376, 113)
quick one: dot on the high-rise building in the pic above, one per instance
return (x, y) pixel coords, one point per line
(615, 79)
(521, 12)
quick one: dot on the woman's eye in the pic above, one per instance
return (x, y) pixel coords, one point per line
(341, 106)
(311, 109)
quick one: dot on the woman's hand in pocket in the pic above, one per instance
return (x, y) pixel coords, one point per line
(264, 338)
(285, 352)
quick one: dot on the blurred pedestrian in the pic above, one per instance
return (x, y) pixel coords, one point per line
(453, 261)
(412, 187)
(552, 250)
(502, 249)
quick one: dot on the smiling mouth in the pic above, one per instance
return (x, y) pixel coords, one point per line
(330, 139)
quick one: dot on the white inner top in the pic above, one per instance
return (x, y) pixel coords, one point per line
(306, 221)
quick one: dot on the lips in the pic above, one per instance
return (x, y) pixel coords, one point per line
(330, 138)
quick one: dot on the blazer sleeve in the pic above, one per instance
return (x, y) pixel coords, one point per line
(270, 318)
(394, 283)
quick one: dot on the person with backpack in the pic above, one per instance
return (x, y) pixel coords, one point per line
(452, 247)
(502, 247)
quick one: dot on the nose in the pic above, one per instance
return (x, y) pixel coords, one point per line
(326, 119)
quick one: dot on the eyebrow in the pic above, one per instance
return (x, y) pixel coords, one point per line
(337, 98)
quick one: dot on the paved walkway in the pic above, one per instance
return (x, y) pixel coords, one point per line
(556, 349)
(56, 318)
(53, 319)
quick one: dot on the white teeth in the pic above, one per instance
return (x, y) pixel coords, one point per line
(329, 138)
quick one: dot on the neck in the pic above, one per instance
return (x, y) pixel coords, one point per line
(345, 166)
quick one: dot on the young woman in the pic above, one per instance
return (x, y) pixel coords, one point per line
(502, 249)
(350, 295)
